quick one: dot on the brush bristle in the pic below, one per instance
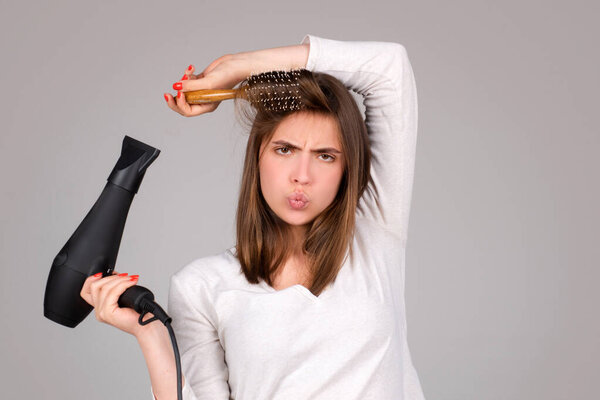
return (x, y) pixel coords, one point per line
(274, 90)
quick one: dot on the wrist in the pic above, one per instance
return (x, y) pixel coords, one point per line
(278, 58)
(150, 332)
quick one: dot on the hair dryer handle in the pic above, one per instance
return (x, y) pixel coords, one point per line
(133, 296)
(142, 300)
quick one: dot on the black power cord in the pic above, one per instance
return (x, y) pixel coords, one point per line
(142, 300)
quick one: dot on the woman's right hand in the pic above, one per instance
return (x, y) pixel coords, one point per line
(103, 294)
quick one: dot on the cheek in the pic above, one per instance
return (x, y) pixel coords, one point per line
(269, 175)
(330, 183)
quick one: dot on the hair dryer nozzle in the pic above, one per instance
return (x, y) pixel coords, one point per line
(131, 166)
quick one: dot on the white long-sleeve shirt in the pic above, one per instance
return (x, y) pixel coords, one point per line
(251, 342)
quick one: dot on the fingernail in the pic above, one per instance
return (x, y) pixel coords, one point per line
(166, 98)
(177, 86)
(134, 278)
(123, 274)
(178, 95)
(190, 67)
(184, 77)
(98, 275)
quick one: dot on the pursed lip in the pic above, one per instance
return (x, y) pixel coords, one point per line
(298, 196)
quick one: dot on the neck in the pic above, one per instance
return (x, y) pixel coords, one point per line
(298, 234)
(294, 267)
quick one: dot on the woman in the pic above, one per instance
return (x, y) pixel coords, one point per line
(309, 304)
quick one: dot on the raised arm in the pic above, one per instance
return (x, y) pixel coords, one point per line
(382, 74)
(227, 71)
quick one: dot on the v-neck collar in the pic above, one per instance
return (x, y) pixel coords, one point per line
(298, 287)
(295, 288)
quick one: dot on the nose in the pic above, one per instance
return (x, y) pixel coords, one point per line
(301, 169)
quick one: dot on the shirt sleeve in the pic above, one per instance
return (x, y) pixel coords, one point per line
(195, 326)
(382, 74)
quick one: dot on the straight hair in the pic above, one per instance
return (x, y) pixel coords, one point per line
(263, 239)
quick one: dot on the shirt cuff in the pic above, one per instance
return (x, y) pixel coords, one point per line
(314, 49)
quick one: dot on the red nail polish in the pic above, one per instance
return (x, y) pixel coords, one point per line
(166, 98)
(99, 274)
(177, 86)
(123, 274)
(184, 78)
(178, 95)
(190, 67)
(135, 278)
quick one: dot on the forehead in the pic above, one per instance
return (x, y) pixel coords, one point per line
(311, 128)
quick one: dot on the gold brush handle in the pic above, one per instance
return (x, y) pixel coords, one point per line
(209, 95)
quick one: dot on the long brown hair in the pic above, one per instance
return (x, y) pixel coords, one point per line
(263, 239)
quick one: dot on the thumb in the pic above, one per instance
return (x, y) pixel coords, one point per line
(203, 82)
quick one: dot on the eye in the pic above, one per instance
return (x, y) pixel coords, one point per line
(329, 158)
(282, 148)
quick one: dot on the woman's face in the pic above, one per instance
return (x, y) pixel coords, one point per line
(303, 158)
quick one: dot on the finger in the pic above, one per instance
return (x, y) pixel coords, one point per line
(85, 290)
(190, 69)
(171, 102)
(202, 82)
(189, 73)
(105, 289)
(113, 282)
(109, 309)
(189, 110)
(97, 286)
(111, 297)
(205, 108)
(182, 104)
(192, 110)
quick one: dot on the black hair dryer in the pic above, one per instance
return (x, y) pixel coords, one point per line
(94, 246)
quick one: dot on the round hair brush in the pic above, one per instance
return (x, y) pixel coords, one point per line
(273, 90)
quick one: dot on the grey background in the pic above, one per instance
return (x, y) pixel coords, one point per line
(502, 263)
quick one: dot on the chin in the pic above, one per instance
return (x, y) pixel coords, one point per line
(296, 221)
(296, 218)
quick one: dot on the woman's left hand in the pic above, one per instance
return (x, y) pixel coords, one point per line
(227, 71)
(223, 73)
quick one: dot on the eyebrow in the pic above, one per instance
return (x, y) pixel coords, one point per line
(292, 146)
